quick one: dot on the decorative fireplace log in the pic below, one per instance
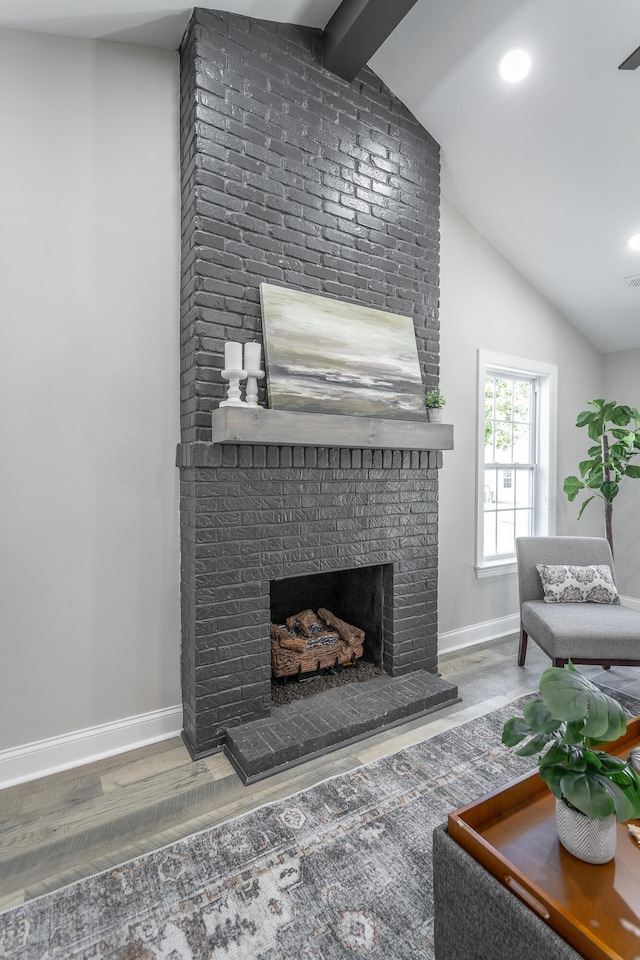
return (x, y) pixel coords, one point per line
(303, 644)
(287, 638)
(346, 631)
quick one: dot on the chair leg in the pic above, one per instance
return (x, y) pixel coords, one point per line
(606, 666)
(522, 649)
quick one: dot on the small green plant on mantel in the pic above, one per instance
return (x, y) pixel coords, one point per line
(615, 428)
(434, 398)
(569, 719)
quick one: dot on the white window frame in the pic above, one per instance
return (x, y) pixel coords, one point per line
(546, 419)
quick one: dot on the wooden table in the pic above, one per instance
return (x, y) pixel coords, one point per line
(512, 833)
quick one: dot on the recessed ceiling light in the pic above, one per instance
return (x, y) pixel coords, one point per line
(634, 242)
(514, 66)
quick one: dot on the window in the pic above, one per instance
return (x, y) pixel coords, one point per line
(516, 456)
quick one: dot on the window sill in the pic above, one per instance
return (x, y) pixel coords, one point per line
(499, 569)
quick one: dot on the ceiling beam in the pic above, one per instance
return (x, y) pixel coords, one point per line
(356, 30)
(631, 62)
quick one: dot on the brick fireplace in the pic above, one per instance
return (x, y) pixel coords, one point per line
(293, 176)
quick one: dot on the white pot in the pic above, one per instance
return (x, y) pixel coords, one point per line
(593, 841)
(434, 414)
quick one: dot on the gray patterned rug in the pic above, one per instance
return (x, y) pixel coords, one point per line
(342, 870)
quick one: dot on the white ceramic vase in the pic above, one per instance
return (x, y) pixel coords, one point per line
(593, 841)
(434, 414)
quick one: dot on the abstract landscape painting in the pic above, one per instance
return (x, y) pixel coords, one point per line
(327, 356)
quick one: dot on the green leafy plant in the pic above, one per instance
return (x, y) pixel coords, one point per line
(570, 718)
(434, 398)
(616, 430)
(507, 412)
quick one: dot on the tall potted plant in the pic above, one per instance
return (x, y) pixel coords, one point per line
(615, 428)
(565, 727)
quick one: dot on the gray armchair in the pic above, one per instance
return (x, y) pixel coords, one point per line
(598, 633)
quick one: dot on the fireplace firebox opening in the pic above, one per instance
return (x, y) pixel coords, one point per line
(356, 596)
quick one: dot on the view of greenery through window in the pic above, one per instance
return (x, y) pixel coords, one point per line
(509, 463)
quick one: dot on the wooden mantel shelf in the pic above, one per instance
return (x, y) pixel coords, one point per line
(282, 427)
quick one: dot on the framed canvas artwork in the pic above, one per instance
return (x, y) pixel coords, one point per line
(327, 356)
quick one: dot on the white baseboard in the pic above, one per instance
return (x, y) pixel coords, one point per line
(43, 757)
(477, 633)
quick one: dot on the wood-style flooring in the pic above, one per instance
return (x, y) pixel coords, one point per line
(76, 823)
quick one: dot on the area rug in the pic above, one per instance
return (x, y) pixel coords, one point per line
(342, 870)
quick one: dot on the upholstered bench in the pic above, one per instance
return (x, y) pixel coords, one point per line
(477, 918)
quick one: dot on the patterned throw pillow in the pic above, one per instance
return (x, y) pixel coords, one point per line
(564, 583)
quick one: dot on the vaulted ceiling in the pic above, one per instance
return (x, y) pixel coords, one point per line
(547, 170)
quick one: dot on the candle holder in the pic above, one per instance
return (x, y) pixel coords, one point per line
(252, 386)
(233, 390)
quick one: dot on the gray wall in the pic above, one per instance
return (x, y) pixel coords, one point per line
(485, 304)
(89, 302)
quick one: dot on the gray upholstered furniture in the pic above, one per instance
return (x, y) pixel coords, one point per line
(583, 632)
(476, 918)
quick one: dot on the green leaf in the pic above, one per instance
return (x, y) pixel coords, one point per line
(595, 452)
(514, 731)
(593, 760)
(564, 693)
(572, 487)
(625, 801)
(601, 709)
(576, 760)
(595, 429)
(552, 776)
(567, 692)
(572, 697)
(596, 478)
(626, 438)
(573, 732)
(587, 416)
(585, 466)
(557, 754)
(620, 415)
(633, 471)
(613, 767)
(606, 721)
(609, 490)
(617, 451)
(537, 715)
(585, 503)
(588, 794)
(535, 745)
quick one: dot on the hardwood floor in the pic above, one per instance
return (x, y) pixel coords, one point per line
(76, 823)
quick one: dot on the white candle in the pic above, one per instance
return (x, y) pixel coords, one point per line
(233, 355)
(252, 353)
